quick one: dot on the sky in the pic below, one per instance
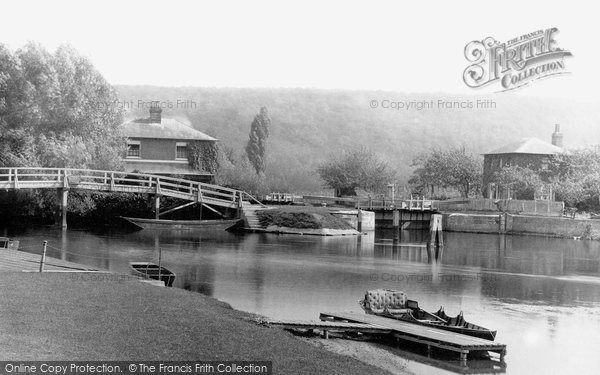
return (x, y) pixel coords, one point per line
(376, 45)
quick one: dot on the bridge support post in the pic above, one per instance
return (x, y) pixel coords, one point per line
(156, 206)
(63, 201)
(199, 200)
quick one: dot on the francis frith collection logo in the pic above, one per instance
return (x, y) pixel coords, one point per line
(515, 63)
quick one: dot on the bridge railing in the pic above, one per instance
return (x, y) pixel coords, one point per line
(404, 204)
(32, 177)
(412, 204)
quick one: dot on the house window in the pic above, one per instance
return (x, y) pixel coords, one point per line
(182, 151)
(133, 149)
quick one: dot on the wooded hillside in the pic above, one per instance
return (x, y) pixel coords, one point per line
(309, 124)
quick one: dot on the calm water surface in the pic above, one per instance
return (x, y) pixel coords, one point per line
(541, 294)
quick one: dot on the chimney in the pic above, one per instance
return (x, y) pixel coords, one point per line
(155, 113)
(557, 137)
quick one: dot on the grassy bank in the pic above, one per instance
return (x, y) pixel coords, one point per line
(302, 218)
(82, 317)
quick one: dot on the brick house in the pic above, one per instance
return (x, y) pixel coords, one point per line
(532, 153)
(161, 146)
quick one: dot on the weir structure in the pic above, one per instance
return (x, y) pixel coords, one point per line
(399, 214)
(64, 180)
(392, 213)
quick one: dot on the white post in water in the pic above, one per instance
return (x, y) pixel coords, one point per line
(359, 219)
(43, 260)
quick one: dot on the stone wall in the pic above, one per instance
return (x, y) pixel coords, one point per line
(522, 224)
(351, 217)
(514, 206)
(561, 227)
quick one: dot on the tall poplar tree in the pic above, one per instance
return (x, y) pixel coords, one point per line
(256, 147)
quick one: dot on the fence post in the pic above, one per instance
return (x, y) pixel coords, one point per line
(43, 260)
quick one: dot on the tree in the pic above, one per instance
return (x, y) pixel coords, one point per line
(235, 171)
(353, 168)
(55, 106)
(204, 156)
(523, 182)
(576, 178)
(454, 167)
(56, 110)
(256, 147)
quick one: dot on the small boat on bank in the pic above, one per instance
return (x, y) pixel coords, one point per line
(153, 271)
(394, 304)
(9, 244)
(180, 224)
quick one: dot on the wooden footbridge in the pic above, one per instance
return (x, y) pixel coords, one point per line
(65, 179)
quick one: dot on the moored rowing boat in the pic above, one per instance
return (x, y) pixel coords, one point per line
(153, 271)
(393, 304)
(7, 243)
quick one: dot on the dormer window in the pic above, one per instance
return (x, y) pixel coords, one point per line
(182, 151)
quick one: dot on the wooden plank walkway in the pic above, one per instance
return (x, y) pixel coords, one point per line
(432, 337)
(18, 261)
(326, 326)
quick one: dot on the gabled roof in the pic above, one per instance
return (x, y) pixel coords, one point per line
(528, 146)
(168, 128)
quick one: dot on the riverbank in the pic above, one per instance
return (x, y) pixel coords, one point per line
(304, 220)
(87, 316)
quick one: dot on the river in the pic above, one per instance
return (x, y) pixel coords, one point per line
(541, 294)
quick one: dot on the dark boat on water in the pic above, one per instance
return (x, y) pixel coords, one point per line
(440, 320)
(153, 271)
(393, 304)
(180, 224)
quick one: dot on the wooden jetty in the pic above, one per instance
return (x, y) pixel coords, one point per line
(327, 326)
(431, 337)
(13, 260)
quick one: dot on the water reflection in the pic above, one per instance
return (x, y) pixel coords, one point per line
(541, 294)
